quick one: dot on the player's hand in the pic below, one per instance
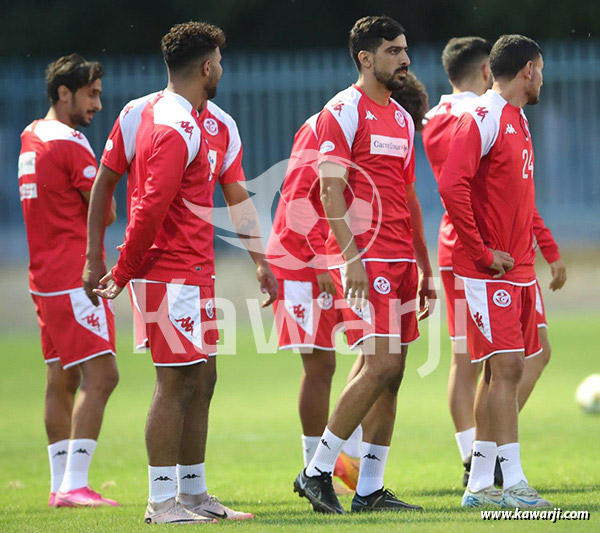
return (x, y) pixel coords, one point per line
(93, 271)
(427, 296)
(559, 274)
(326, 283)
(502, 263)
(120, 247)
(110, 290)
(268, 283)
(357, 284)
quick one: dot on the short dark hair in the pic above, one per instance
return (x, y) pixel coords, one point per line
(462, 55)
(510, 54)
(369, 32)
(190, 41)
(72, 71)
(414, 98)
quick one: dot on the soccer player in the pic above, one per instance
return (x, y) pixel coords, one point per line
(168, 257)
(305, 315)
(466, 62)
(57, 168)
(487, 187)
(366, 142)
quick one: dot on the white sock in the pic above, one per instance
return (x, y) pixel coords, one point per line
(352, 446)
(191, 479)
(465, 439)
(372, 468)
(163, 483)
(509, 456)
(309, 447)
(57, 453)
(327, 452)
(482, 465)
(80, 456)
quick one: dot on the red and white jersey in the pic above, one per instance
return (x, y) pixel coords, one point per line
(165, 240)
(220, 132)
(488, 189)
(439, 123)
(55, 163)
(376, 144)
(296, 247)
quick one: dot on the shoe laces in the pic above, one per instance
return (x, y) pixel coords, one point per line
(527, 492)
(390, 493)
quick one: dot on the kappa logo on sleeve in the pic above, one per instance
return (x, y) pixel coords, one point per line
(187, 127)
(481, 112)
(109, 145)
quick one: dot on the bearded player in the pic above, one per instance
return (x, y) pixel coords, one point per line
(305, 313)
(223, 155)
(466, 62)
(366, 144)
(487, 187)
(57, 168)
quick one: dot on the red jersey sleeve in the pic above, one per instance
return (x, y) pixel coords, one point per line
(455, 188)
(164, 173)
(81, 165)
(336, 129)
(544, 238)
(114, 156)
(232, 170)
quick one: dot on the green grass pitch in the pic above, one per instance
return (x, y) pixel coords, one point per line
(254, 442)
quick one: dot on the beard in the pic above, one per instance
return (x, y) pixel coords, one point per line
(533, 97)
(80, 118)
(390, 81)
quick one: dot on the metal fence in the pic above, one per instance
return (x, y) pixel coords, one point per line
(271, 93)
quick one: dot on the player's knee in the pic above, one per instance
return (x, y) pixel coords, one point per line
(387, 371)
(67, 381)
(396, 381)
(545, 355)
(509, 369)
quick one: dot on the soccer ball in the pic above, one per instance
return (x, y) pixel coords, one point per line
(588, 394)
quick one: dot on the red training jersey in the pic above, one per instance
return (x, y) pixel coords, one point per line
(376, 144)
(296, 247)
(224, 155)
(165, 240)
(439, 124)
(488, 189)
(221, 133)
(55, 163)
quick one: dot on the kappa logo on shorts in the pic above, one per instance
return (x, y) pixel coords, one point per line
(299, 312)
(325, 301)
(92, 320)
(382, 285)
(502, 298)
(211, 126)
(186, 323)
(400, 118)
(210, 309)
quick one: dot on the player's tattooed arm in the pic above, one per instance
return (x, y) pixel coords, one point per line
(101, 213)
(246, 223)
(427, 292)
(333, 182)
